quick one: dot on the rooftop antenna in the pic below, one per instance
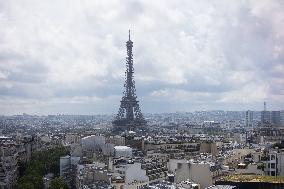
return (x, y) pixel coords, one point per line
(264, 104)
(129, 35)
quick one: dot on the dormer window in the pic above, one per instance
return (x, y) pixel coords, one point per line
(272, 157)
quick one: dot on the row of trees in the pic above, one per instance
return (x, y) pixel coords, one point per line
(42, 163)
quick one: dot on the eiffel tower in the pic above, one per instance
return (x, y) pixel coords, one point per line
(129, 115)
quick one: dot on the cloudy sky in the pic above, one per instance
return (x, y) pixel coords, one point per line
(68, 56)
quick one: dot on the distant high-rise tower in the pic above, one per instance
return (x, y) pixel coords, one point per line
(249, 118)
(129, 116)
(270, 117)
(265, 115)
(275, 118)
(281, 118)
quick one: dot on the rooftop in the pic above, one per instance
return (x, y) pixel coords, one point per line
(122, 147)
(221, 187)
(253, 178)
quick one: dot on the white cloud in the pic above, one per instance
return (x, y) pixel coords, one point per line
(206, 54)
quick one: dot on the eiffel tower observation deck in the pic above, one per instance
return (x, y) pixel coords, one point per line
(129, 115)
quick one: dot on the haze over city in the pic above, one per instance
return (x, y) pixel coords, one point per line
(69, 56)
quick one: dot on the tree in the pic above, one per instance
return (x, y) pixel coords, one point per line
(42, 162)
(25, 185)
(58, 183)
(30, 181)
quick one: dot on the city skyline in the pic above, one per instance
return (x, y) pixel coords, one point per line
(69, 57)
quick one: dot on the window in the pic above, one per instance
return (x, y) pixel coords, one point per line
(272, 157)
(273, 165)
(272, 173)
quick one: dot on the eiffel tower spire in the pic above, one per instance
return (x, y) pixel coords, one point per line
(129, 115)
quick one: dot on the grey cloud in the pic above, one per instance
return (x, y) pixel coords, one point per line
(195, 55)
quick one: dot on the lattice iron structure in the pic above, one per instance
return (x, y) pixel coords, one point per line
(129, 115)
